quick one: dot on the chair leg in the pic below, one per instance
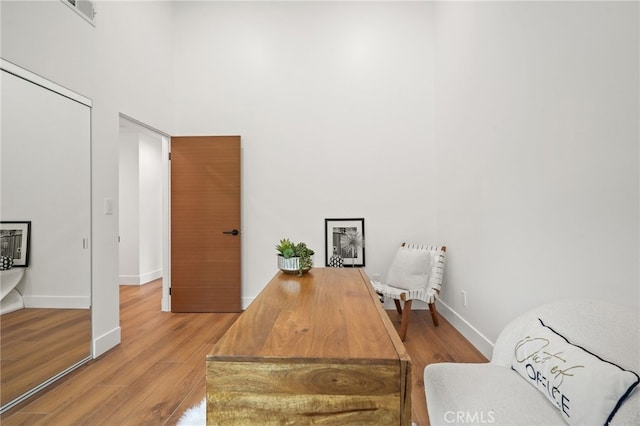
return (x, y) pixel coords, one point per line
(432, 311)
(398, 306)
(405, 319)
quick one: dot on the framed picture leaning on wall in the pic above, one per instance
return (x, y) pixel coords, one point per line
(344, 239)
(14, 241)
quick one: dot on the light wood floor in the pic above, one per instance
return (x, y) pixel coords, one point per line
(158, 370)
(37, 344)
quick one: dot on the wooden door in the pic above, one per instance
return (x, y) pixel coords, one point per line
(205, 224)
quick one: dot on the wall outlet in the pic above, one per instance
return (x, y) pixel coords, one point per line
(464, 298)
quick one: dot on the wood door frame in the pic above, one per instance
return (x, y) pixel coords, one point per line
(166, 209)
(166, 223)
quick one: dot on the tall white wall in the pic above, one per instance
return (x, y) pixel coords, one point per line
(334, 104)
(150, 190)
(122, 64)
(537, 122)
(129, 211)
(140, 208)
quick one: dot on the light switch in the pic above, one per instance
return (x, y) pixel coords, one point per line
(108, 206)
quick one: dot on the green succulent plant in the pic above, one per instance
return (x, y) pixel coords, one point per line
(304, 253)
(288, 249)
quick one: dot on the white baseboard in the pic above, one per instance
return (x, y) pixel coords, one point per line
(105, 342)
(246, 301)
(150, 276)
(477, 339)
(57, 302)
(140, 279)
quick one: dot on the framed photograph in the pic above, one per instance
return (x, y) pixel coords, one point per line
(14, 241)
(345, 238)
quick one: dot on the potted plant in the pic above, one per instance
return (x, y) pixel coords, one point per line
(294, 258)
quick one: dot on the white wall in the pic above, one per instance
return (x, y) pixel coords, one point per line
(531, 179)
(140, 207)
(122, 65)
(129, 211)
(334, 103)
(150, 190)
(537, 124)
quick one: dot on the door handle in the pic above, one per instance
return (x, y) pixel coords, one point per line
(233, 232)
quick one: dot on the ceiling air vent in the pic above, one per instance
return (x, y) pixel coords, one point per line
(84, 8)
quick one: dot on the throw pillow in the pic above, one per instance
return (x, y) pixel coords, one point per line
(410, 268)
(584, 387)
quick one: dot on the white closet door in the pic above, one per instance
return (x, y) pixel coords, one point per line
(46, 179)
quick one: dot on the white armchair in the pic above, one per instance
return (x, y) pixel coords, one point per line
(415, 274)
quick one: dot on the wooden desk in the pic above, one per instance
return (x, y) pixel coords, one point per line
(312, 349)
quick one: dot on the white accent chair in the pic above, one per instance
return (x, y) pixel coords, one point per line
(415, 274)
(493, 393)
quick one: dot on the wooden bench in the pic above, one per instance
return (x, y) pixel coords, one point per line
(312, 349)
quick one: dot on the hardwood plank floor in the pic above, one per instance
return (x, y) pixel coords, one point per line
(158, 371)
(427, 344)
(36, 344)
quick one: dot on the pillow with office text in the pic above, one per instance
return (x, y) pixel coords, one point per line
(410, 268)
(584, 387)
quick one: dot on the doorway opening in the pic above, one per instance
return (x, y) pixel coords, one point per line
(143, 206)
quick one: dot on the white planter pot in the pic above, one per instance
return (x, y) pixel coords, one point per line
(290, 265)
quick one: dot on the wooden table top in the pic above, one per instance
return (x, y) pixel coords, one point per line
(328, 313)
